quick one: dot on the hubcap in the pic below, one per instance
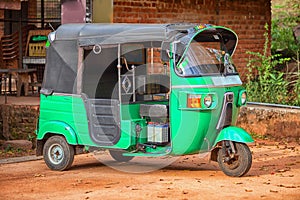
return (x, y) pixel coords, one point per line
(56, 153)
(233, 163)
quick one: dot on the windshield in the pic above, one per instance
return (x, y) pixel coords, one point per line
(205, 58)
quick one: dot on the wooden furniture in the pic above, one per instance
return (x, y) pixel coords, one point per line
(37, 63)
(12, 48)
(35, 55)
(36, 49)
(23, 77)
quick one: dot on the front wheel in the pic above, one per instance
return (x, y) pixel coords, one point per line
(235, 163)
(58, 154)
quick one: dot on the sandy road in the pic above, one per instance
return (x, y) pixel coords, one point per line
(275, 174)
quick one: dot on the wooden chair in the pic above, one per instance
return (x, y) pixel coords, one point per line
(9, 53)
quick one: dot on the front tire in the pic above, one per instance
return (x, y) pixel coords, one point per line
(58, 154)
(239, 165)
(117, 155)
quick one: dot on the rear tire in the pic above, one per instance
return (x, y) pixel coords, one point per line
(117, 155)
(58, 154)
(240, 164)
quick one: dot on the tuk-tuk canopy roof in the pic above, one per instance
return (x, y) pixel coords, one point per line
(91, 34)
(62, 54)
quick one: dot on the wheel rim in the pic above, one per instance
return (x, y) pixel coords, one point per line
(56, 153)
(233, 164)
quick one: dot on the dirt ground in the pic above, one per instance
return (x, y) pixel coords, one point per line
(275, 174)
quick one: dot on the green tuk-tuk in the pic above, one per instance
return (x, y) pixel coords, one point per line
(142, 90)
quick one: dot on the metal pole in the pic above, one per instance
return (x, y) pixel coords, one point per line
(133, 83)
(152, 65)
(20, 42)
(119, 72)
(5, 95)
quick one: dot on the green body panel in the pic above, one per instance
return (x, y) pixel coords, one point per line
(194, 130)
(235, 134)
(66, 115)
(128, 134)
(58, 127)
(60, 111)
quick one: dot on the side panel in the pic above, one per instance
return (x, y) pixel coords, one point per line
(196, 129)
(193, 130)
(66, 115)
(58, 127)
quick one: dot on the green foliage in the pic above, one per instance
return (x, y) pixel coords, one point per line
(270, 80)
(265, 83)
(295, 82)
(8, 148)
(285, 16)
(30, 137)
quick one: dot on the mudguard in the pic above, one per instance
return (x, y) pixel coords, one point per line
(58, 127)
(235, 134)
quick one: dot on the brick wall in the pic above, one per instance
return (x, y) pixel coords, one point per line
(279, 123)
(32, 9)
(1, 23)
(246, 17)
(18, 121)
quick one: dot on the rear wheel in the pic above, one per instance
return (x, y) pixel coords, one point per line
(235, 163)
(58, 154)
(117, 155)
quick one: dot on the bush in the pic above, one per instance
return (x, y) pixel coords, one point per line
(267, 84)
(285, 16)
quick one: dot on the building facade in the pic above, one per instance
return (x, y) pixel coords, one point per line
(246, 17)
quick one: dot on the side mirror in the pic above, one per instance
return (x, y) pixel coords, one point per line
(46, 92)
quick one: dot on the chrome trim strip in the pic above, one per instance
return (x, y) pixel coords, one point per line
(80, 68)
(66, 94)
(204, 86)
(222, 118)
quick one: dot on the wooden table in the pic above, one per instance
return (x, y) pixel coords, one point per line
(37, 63)
(23, 76)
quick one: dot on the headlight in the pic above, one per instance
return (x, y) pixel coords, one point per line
(207, 101)
(244, 98)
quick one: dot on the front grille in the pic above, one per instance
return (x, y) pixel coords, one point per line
(226, 113)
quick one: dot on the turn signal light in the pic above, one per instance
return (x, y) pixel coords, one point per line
(194, 101)
(242, 98)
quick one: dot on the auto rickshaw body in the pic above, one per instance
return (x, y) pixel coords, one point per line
(142, 90)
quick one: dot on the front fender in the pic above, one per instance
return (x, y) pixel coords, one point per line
(58, 127)
(235, 134)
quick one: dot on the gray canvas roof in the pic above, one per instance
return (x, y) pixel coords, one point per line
(62, 54)
(90, 34)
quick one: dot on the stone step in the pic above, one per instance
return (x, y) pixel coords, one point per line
(17, 144)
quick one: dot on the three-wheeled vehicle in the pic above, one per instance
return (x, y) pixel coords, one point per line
(142, 90)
